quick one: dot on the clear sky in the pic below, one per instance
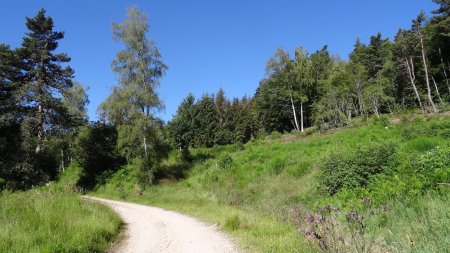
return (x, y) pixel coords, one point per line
(208, 44)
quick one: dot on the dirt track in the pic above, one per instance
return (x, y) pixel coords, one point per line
(152, 229)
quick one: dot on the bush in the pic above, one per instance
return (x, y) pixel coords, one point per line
(345, 167)
(275, 135)
(434, 166)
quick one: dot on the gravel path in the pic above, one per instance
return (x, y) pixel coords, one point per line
(152, 229)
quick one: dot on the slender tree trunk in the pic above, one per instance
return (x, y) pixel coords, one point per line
(301, 116)
(445, 72)
(437, 90)
(375, 106)
(63, 166)
(427, 79)
(145, 146)
(293, 112)
(41, 123)
(409, 64)
(359, 95)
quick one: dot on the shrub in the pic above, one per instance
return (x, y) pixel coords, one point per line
(275, 135)
(344, 167)
(434, 166)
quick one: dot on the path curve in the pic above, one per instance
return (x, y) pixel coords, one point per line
(152, 229)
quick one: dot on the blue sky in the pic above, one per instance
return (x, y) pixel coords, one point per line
(208, 44)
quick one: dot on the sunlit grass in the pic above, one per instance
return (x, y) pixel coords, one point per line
(259, 192)
(55, 219)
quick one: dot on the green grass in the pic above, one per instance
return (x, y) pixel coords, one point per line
(55, 219)
(254, 231)
(261, 191)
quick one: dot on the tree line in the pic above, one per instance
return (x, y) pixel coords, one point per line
(44, 126)
(321, 90)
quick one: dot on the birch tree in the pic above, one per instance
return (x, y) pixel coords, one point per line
(133, 103)
(417, 29)
(404, 44)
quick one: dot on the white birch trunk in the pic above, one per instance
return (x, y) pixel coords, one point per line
(427, 79)
(294, 113)
(437, 90)
(409, 64)
(301, 116)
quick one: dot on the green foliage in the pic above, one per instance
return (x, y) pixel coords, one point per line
(345, 167)
(212, 120)
(132, 104)
(95, 149)
(275, 135)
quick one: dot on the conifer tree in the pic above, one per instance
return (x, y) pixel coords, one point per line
(45, 79)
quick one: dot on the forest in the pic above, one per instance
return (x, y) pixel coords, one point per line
(328, 154)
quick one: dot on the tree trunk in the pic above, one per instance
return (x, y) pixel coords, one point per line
(293, 112)
(427, 79)
(409, 64)
(301, 116)
(375, 107)
(145, 145)
(41, 123)
(63, 166)
(359, 95)
(445, 72)
(437, 90)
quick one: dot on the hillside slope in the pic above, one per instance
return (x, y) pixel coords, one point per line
(381, 186)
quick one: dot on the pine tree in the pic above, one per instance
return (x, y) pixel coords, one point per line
(46, 81)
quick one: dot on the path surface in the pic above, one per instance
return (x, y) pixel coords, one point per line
(152, 229)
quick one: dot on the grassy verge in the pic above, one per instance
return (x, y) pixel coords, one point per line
(55, 219)
(252, 230)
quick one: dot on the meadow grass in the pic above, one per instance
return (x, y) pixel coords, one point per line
(253, 231)
(54, 218)
(260, 191)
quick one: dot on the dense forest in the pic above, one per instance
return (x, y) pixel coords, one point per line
(44, 125)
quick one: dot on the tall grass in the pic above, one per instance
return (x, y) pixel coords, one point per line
(55, 219)
(278, 180)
